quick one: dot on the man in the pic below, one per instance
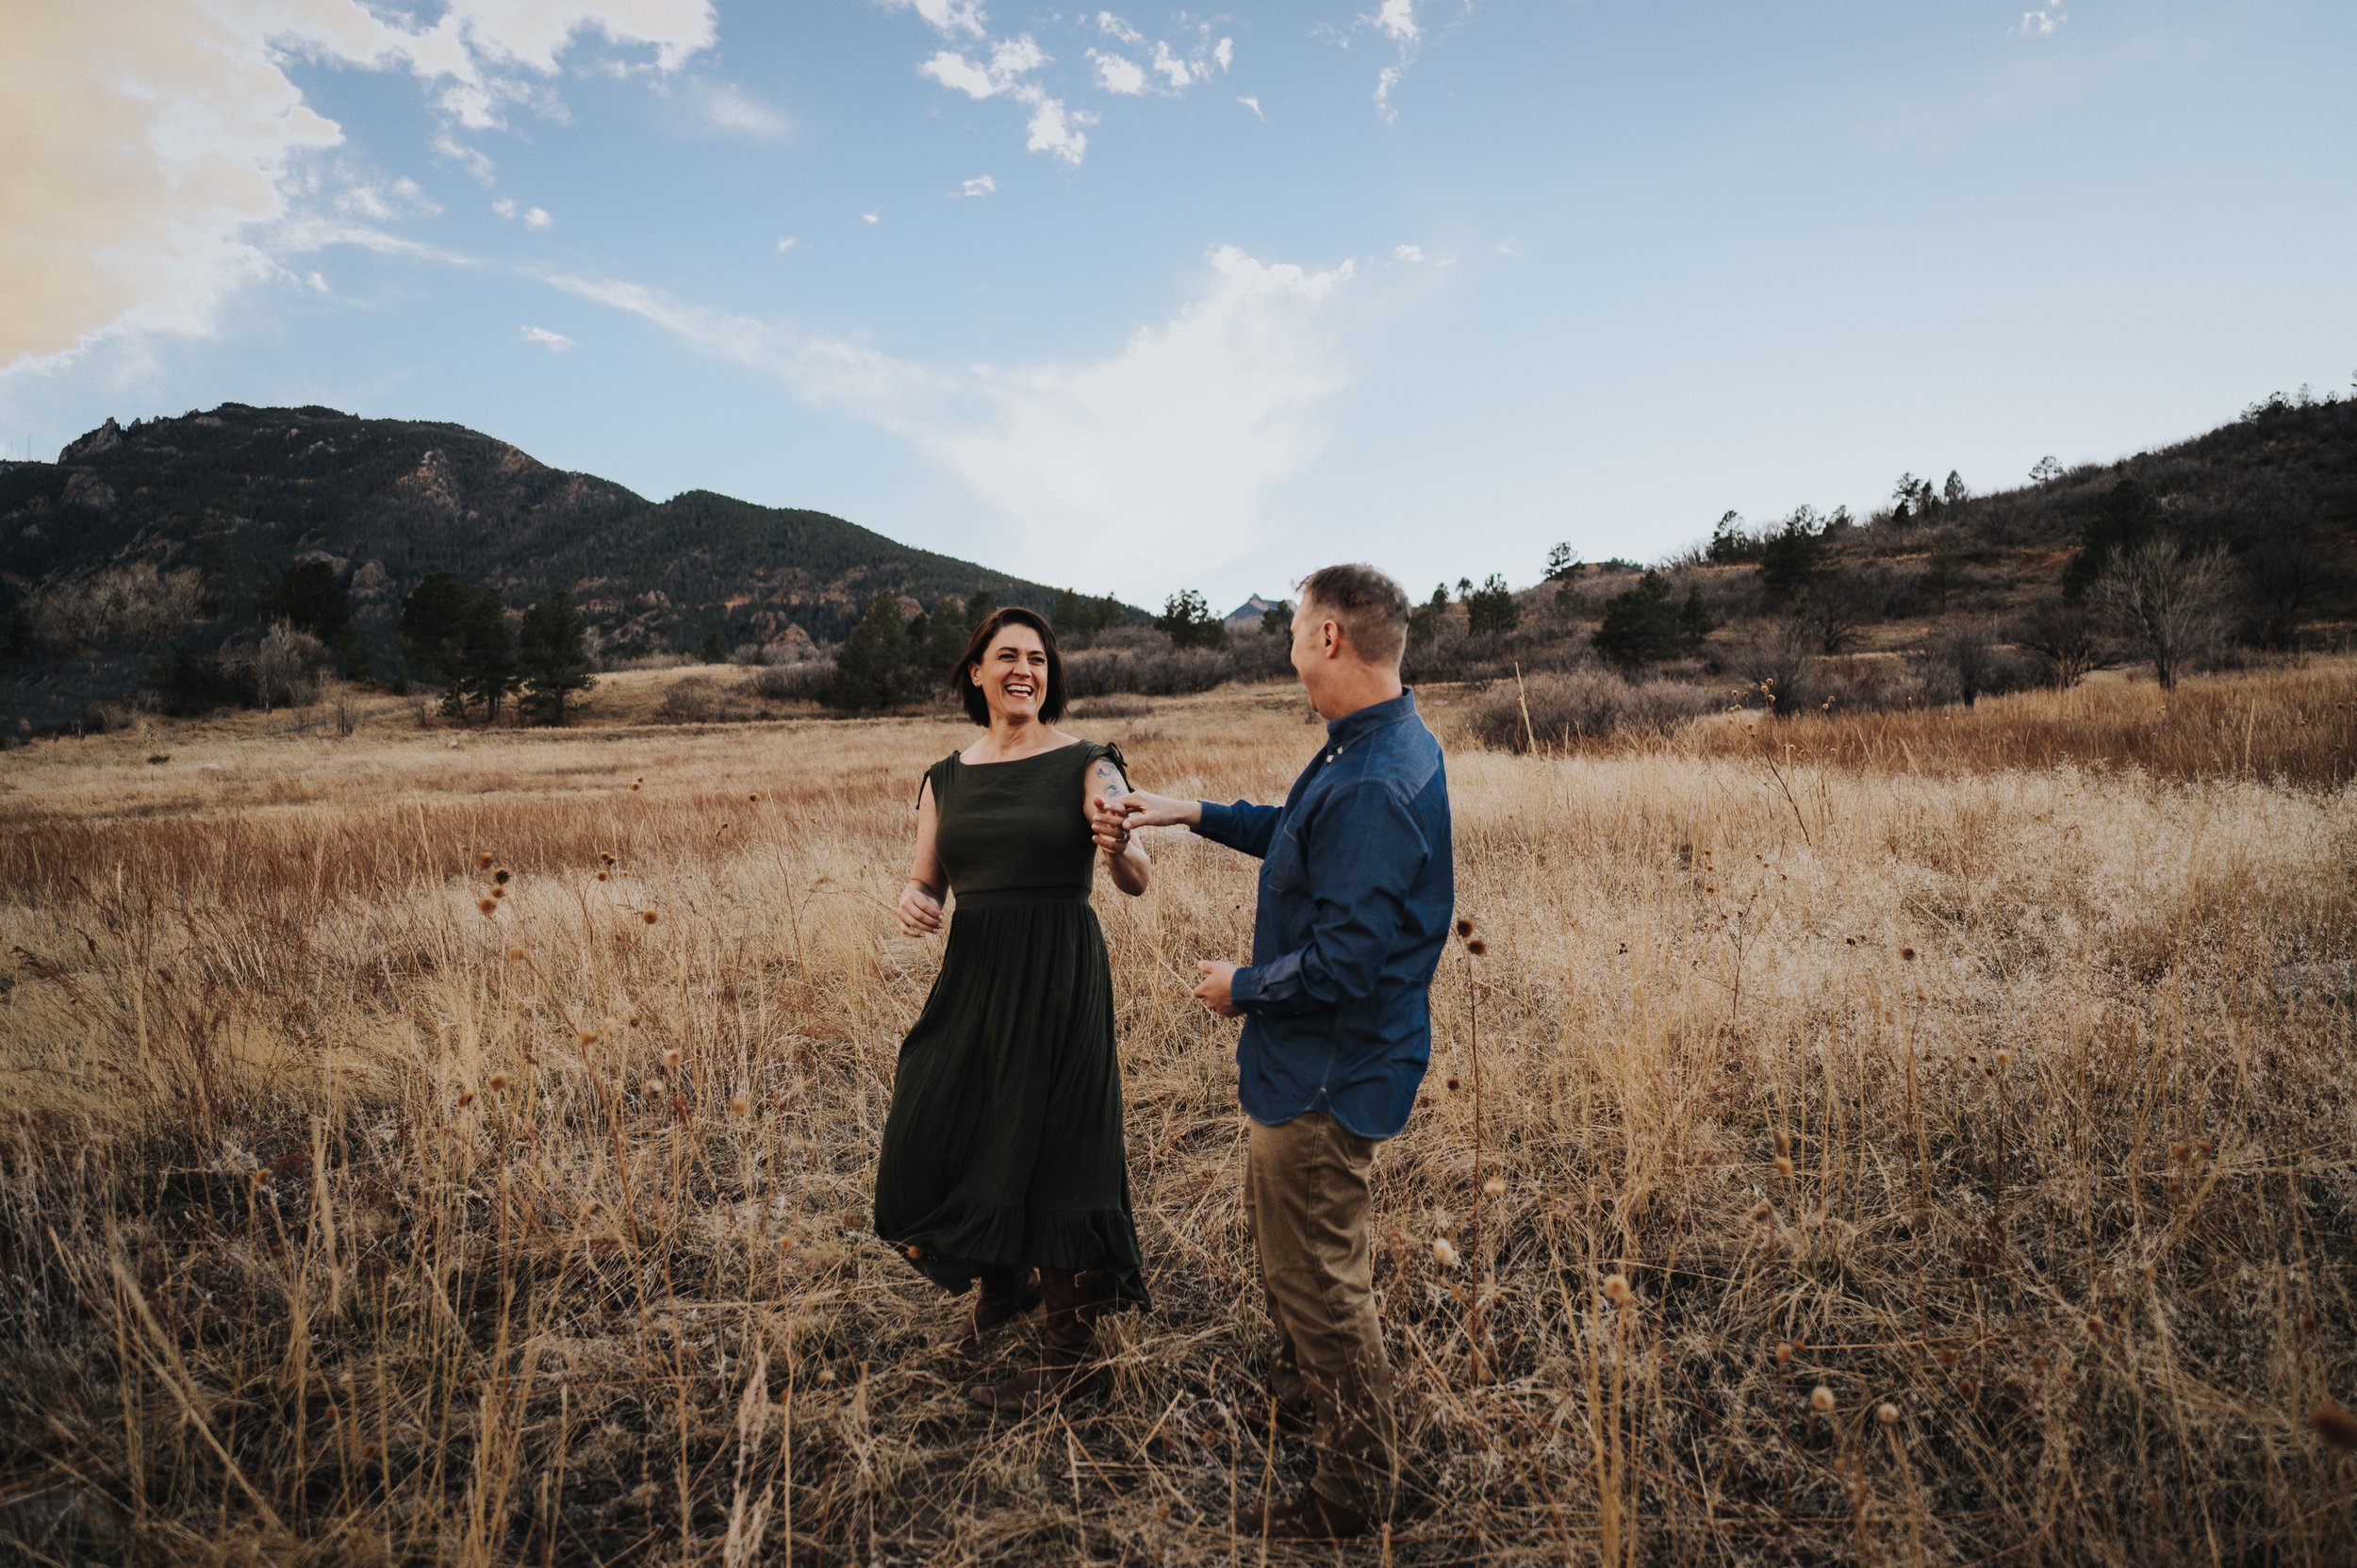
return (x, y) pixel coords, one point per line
(1358, 881)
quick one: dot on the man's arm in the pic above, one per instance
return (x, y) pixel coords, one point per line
(1240, 826)
(1366, 851)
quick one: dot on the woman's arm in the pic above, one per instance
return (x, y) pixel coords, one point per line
(1125, 857)
(920, 896)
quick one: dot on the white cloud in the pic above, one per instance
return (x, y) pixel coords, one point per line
(949, 18)
(981, 185)
(537, 218)
(1408, 252)
(1254, 105)
(1225, 53)
(504, 206)
(176, 154)
(1051, 125)
(1112, 27)
(1171, 68)
(476, 163)
(787, 243)
(556, 342)
(1395, 20)
(2038, 24)
(387, 204)
(1163, 458)
(1118, 74)
(871, 217)
(722, 109)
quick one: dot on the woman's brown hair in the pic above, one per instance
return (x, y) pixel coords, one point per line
(1051, 702)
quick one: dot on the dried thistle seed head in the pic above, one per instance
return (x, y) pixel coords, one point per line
(602, 876)
(483, 861)
(740, 1106)
(497, 1084)
(1783, 1352)
(1616, 1290)
(1763, 1210)
(488, 906)
(1445, 1252)
(585, 1036)
(466, 1097)
(1784, 1164)
(786, 1243)
(500, 892)
(1887, 1413)
(1821, 1399)
(654, 1088)
(1476, 945)
(1452, 1084)
(752, 800)
(671, 1056)
(1947, 1358)
(917, 1253)
(648, 915)
(826, 1373)
(1906, 954)
(634, 786)
(2335, 1426)
(1781, 1140)
(501, 875)
(2005, 1057)
(515, 955)
(1464, 925)
(1495, 1186)
(606, 855)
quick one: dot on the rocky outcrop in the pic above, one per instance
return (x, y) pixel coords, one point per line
(106, 438)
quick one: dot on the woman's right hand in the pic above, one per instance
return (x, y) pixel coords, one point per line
(919, 911)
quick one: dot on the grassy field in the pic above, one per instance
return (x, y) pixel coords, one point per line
(1927, 1146)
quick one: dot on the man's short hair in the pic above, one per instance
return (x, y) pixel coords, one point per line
(1371, 608)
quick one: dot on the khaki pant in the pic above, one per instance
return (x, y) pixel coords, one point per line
(1304, 1197)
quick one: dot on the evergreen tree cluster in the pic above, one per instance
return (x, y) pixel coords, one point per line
(456, 634)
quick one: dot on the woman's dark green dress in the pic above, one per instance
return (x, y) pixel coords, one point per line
(1003, 1144)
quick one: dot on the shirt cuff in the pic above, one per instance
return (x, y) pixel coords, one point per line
(1214, 822)
(1243, 986)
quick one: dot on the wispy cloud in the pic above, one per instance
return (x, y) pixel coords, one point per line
(1254, 105)
(386, 203)
(981, 185)
(1004, 72)
(2038, 24)
(541, 337)
(537, 218)
(725, 109)
(787, 243)
(949, 18)
(1164, 457)
(1408, 252)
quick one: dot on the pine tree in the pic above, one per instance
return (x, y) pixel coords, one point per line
(553, 652)
(1491, 609)
(1188, 621)
(871, 671)
(432, 622)
(486, 655)
(1562, 562)
(946, 635)
(1640, 626)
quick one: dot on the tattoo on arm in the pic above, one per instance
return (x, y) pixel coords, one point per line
(1110, 776)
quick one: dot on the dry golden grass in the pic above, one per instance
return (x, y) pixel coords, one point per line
(1946, 1166)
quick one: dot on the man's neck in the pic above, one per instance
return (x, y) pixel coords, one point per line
(1360, 691)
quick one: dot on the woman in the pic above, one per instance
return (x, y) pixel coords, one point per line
(1002, 1155)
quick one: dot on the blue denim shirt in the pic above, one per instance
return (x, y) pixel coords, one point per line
(1358, 885)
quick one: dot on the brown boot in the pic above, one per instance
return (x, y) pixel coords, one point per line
(1308, 1517)
(1065, 1364)
(1002, 1294)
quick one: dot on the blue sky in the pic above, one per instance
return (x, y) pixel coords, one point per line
(1146, 298)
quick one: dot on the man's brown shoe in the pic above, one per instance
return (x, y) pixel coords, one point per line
(1308, 1517)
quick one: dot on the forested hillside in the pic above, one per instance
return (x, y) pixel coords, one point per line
(239, 494)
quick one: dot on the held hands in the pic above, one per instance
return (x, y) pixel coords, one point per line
(1143, 810)
(1108, 826)
(1213, 992)
(918, 910)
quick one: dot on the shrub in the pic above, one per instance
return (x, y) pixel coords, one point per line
(806, 681)
(1581, 704)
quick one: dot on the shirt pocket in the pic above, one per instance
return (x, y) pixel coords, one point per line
(1285, 869)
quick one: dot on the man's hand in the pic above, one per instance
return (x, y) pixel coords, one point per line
(1159, 811)
(919, 911)
(1213, 992)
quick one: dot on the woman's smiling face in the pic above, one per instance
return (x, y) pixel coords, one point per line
(1013, 673)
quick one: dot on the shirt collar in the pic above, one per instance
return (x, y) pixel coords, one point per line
(1364, 721)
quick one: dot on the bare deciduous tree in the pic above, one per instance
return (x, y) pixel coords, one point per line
(1967, 651)
(2166, 602)
(2066, 636)
(1775, 662)
(281, 665)
(130, 601)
